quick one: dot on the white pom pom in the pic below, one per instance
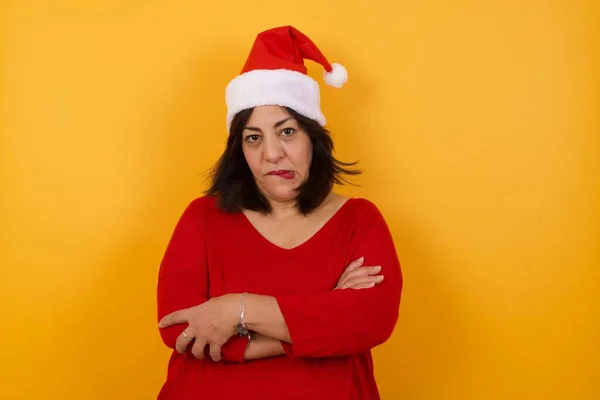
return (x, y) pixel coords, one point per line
(337, 77)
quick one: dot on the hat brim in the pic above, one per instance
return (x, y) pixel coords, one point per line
(279, 87)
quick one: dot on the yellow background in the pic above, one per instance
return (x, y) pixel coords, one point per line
(476, 123)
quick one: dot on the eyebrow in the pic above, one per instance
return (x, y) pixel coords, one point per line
(276, 125)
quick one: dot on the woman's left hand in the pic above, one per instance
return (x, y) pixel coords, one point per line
(211, 323)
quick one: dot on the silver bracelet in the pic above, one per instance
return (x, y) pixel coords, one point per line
(242, 329)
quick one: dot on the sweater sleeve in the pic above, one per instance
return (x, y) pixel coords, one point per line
(346, 321)
(183, 281)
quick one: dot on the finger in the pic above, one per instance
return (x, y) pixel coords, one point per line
(363, 286)
(176, 317)
(215, 351)
(361, 280)
(198, 348)
(355, 264)
(363, 271)
(183, 340)
(351, 267)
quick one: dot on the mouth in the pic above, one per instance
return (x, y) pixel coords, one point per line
(283, 173)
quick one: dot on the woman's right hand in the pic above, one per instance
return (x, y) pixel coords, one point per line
(355, 276)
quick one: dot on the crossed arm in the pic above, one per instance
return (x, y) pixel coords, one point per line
(264, 316)
(332, 323)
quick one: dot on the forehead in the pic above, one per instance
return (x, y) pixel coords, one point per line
(268, 115)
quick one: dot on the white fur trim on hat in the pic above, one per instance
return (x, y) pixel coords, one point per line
(279, 87)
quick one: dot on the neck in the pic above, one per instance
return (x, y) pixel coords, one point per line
(281, 210)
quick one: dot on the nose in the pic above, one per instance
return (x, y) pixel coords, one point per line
(272, 149)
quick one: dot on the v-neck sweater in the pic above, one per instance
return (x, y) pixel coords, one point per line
(212, 252)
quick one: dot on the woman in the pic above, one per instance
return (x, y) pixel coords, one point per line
(272, 285)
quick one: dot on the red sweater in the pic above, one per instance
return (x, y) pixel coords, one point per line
(332, 331)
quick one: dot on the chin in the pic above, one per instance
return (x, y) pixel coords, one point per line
(283, 193)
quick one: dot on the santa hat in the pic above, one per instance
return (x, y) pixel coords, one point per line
(274, 74)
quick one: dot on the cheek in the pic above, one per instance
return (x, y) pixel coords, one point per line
(309, 156)
(308, 152)
(303, 158)
(252, 160)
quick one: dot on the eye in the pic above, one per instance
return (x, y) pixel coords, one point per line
(252, 138)
(288, 131)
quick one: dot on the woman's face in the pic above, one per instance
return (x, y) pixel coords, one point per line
(277, 151)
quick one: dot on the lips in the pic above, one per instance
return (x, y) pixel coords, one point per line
(286, 174)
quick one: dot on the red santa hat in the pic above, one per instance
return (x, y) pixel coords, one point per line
(275, 74)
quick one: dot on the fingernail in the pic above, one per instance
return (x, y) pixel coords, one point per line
(380, 277)
(378, 268)
(361, 259)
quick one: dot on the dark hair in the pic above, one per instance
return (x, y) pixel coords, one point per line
(233, 184)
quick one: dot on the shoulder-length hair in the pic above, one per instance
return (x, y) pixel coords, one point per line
(235, 188)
